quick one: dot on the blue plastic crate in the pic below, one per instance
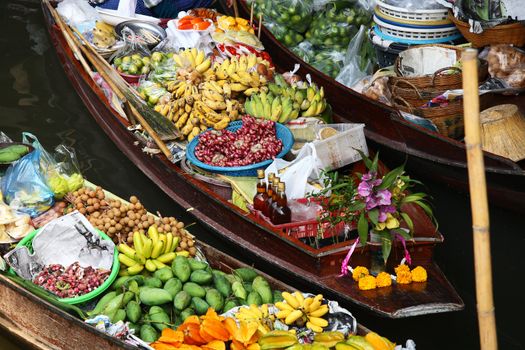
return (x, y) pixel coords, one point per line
(282, 133)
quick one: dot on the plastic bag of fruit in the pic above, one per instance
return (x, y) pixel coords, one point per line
(294, 14)
(285, 35)
(188, 31)
(358, 62)
(328, 61)
(304, 50)
(134, 57)
(335, 25)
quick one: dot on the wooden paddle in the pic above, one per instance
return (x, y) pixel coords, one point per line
(101, 65)
(478, 203)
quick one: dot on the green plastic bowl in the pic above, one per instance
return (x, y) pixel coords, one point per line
(27, 241)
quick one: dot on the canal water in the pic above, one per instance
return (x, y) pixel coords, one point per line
(36, 96)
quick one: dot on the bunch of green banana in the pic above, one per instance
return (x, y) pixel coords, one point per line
(310, 99)
(152, 252)
(13, 152)
(295, 309)
(271, 106)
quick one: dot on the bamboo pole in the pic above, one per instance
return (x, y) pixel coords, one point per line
(235, 9)
(478, 203)
(100, 65)
(251, 13)
(260, 26)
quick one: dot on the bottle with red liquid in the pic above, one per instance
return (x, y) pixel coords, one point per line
(275, 197)
(282, 213)
(259, 200)
(269, 192)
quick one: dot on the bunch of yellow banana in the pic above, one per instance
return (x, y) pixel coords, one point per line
(295, 309)
(257, 314)
(153, 252)
(192, 59)
(103, 35)
(242, 74)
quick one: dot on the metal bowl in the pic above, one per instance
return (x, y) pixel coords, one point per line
(148, 30)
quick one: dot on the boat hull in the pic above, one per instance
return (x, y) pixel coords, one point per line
(255, 241)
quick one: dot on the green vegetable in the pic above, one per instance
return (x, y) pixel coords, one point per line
(200, 305)
(155, 296)
(201, 277)
(181, 268)
(262, 287)
(215, 299)
(173, 286)
(246, 274)
(133, 311)
(101, 304)
(148, 333)
(181, 300)
(153, 282)
(254, 298)
(194, 289)
(163, 274)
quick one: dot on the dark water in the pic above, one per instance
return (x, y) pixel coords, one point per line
(37, 97)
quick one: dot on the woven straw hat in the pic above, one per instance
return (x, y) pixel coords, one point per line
(503, 131)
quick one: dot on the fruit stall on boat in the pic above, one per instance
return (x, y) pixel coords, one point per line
(297, 251)
(405, 115)
(125, 278)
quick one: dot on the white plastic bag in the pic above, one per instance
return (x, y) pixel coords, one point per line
(306, 166)
(183, 39)
(353, 71)
(77, 12)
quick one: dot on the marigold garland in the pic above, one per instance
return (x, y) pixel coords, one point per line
(360, 272)
(384, 279)
(367, 282)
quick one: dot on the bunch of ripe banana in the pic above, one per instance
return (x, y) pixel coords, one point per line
(246, 74)
(295, 309)
(152, 252)
(103, 35)
(257, 314)
(193, 65)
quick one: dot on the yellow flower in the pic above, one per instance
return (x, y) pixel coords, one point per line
(402, 267)
(400, 183)
(419, 274)
(380, 226)
(404, 277)
(367, 282)
(383, 279)
(391, 222)
(359, 272)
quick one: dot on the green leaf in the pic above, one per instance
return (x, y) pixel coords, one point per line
(408, 220)
(362, 229)
(373, 215)
(406, 235)
(366, 160)
(425, 207)
(374, 163)
(358, 206)
(386, 245)
(389, 178)
(414, 197)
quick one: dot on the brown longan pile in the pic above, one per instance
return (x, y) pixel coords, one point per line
(120, 220)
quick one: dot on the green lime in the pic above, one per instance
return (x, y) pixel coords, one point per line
(132, 69)
(126, 59)
(117, 61)
(136, 56)
(144, 70)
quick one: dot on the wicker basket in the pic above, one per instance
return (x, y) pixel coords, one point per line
(501, 34)
(436, 80)
(448, 119)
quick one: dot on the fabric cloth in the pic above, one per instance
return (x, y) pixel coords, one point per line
(160, 8)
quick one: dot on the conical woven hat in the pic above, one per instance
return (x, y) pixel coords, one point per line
(503, 131)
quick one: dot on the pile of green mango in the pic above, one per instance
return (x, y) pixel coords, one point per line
(167, 297)
(294, 14)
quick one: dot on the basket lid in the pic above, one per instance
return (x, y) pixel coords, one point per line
(503, 131)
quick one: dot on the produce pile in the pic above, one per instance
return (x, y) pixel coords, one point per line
(121, 220)
(72, 281)
(133, 64)
(171, 295)
(286, 101)
(12, 153)
(318, 33)
(254, 142)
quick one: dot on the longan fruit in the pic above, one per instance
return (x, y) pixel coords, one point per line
(133, 199)
(180, 224)
(192, 251)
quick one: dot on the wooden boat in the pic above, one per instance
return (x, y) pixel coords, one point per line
(428, 154)
(270, 250)
(41, 325)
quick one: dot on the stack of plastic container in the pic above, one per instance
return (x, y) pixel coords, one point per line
(409, 23)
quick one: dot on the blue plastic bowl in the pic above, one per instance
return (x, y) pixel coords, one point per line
(282, 133)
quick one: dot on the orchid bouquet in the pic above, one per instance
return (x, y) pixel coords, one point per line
(373, 203)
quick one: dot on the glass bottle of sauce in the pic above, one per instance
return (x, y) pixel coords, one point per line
(282, 213)
(259, 200)
(269, 192)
